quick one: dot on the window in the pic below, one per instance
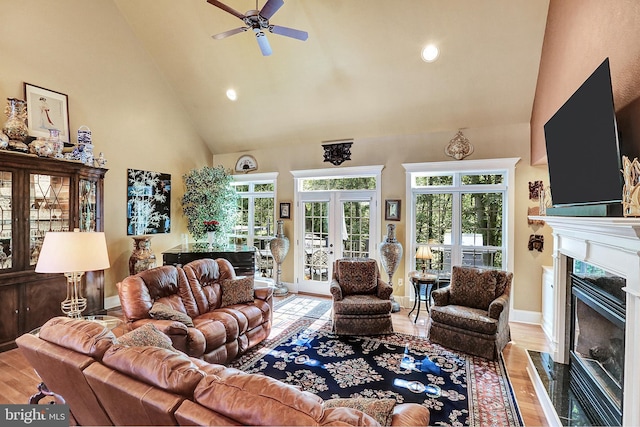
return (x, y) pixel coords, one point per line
(461, 211)
(256, 223)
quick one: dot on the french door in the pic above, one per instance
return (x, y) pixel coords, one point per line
(332, 225)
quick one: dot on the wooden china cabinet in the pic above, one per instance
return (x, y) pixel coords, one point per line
(38, 195)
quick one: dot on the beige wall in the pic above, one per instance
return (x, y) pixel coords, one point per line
(579, 35)
(392, 152)
(86, 50)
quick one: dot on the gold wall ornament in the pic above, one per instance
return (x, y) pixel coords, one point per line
(459, 147)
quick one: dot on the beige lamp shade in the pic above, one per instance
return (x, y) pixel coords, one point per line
(424, 252)
(73, 251)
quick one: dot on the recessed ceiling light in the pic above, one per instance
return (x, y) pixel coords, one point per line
(430, 53)
(232, 95)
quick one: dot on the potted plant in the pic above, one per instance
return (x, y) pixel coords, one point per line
(210, 203)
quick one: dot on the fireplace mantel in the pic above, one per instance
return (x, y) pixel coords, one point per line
(612, 243)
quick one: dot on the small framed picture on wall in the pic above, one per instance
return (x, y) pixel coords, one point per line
(392, 210)
(285, 210)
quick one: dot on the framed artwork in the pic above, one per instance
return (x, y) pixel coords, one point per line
(46, 109)
(148, 202)
(392, 210)
(285, 210)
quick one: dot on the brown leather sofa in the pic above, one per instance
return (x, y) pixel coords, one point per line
(106, 383)
(219, 333)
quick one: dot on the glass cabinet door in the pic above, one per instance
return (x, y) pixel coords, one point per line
(5, 219)
(49, 209)
(88, 208)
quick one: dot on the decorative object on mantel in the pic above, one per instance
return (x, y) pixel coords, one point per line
(459, 147)
(142, 258)
(536, 242)
(209, 194)
(390, 256)
(337, 153)
(631, 188)
(535, 189)
(246, 163)
(148, 202)
(534, 211)
(279, 247)
(15, 127)
(545, 200)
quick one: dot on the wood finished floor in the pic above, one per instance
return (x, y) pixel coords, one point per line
(18, 381)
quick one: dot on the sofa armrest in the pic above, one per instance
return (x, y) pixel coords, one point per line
(384, 290)
(410, 414)
(167, 327)
(264, 293)
(441, 296)
(336, 290)
(498, 305)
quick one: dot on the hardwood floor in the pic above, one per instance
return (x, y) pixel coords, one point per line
(18, 381)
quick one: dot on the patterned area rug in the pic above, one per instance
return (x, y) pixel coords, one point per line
(458, 389)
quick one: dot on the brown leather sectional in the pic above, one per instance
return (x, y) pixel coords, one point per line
(219, 333)
(105, 383)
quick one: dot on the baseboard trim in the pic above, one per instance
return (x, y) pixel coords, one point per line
(525, 316)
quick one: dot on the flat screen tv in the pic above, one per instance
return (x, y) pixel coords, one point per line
(583, 151)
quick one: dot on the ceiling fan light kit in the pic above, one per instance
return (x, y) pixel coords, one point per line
(258, 20)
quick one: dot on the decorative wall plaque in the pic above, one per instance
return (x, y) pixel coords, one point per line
(337, 153)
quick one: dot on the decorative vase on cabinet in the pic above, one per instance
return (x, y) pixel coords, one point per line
(279, 247)
(142, 258)
(15, 127)
(390, 256)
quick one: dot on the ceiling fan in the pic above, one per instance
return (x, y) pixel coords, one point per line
(258, 20)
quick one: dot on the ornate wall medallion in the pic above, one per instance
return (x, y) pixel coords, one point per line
(246, 163)
(459, 147)
(337, 153)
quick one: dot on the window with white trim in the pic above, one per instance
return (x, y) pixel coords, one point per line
(256, 206)
(462, 215)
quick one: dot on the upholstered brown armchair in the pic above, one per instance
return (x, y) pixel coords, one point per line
(472, 314)
(361, 299)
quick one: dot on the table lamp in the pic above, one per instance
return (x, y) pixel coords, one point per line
(73, 253)
(424, 253)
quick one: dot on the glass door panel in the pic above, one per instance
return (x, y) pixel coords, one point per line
(316, 237)
(49, 209)
(336, 227)
(5, 220)
(88, 207)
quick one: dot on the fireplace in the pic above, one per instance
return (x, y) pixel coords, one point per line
(613, 245)
(597, 337)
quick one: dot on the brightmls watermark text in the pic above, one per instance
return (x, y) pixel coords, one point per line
(34, 415)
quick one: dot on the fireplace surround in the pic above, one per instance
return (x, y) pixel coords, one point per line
(612, 244)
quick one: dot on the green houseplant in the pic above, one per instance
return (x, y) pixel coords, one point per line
(210, 197)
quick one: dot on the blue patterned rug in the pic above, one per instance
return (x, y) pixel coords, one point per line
(457, 389)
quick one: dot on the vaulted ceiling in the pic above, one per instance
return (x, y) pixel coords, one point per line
(358, 75)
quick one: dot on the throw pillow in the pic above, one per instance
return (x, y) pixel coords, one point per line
(162, 311)
(236, 291)
(472, 287)
(380, 409)
(146, 335)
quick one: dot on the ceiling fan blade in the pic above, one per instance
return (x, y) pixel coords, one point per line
(270, 8)
(227, 8)
(289, 32)
(265, 47)
(230, 33)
